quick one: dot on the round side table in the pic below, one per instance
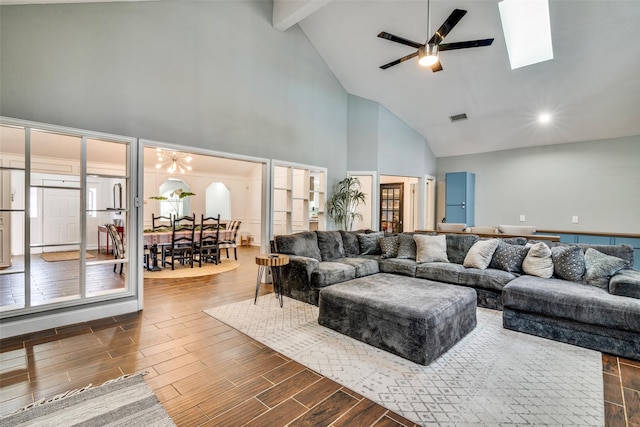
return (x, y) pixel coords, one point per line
(273, 262)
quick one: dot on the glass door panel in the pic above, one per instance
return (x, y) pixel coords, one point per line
(391, 207)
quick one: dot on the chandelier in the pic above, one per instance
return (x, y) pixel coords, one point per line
(173, 161)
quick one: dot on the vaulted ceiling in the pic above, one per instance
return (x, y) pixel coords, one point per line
(591, 87)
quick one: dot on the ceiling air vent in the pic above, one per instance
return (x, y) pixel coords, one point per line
(458, 117)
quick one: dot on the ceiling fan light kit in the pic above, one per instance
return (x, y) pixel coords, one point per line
(428, 53)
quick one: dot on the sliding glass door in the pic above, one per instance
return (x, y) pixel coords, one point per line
(59, 188)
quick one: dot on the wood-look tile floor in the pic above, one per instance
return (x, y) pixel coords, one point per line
(208, 374)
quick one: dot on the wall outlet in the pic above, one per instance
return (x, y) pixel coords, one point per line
(574, 219)
(521, 218)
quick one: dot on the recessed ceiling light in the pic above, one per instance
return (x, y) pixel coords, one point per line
(544, 118)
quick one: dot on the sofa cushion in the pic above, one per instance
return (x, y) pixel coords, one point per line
(458, 245)
(350, 243)
(329, 273)
(564, 299)
(440, 272)
(302, 244)
(626, 283)
(624, 252)
(389, 246)
(538, 261)
(406, 247)
(330, 245)
(369, 244)
(431, 248)
(600, 268)
(568, 262)
(363, 266)
(404, 267)
(480, 254)
(488, 278)
(508, 257)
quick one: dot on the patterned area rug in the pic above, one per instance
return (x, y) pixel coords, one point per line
(493, 376)
(127, 400)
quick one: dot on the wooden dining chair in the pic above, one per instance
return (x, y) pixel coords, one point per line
(161, 223)
(207, 247)
(118, 245)
(182, 248)
(226, 244)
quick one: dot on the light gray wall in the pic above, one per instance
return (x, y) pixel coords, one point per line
(378, 140)
(401, 150)
(362, 137)
(598, 181)
(214, 75)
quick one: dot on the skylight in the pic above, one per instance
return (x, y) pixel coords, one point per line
(527, 31)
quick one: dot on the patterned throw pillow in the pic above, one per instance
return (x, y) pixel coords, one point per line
(369, 243)
(480, 254)
(431, 248)
(509, 257)
(568, 262)
(389, 246)
(406, 247)
(538, 261)
(600, 267)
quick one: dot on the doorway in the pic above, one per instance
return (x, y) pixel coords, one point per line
(391, 207)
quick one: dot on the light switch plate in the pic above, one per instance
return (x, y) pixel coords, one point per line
(521, 218)
(574, 219)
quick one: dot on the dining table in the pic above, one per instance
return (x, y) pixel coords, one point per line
(155, 239)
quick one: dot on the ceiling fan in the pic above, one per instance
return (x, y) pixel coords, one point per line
(428, 52)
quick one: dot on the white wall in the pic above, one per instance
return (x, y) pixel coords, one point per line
(598, 181)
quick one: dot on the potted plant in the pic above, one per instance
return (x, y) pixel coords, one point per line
(345, 199)
(174, 197)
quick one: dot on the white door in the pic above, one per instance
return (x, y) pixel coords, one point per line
(61, 218)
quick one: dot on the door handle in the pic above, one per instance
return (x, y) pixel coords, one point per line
(463, 205)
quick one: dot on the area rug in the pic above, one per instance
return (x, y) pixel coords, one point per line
(127, 400)
(492, 377)
(181, 271)
(63, 256)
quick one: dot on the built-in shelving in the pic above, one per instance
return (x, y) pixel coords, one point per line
(298, 198)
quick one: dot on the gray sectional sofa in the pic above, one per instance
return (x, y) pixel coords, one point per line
(605, 318)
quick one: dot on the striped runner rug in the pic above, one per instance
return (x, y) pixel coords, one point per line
(124, 401)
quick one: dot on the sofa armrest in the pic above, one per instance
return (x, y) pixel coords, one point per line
(626, 283)
(297, 274)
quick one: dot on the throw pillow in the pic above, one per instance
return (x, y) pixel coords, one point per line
(350, 243)
(568, 262)
(509, 257)
(480, 254)
(458, 246)
(538, 261)
(369, 243)
(600, 267)
(406, 247)
(389, 246)
(431, 248)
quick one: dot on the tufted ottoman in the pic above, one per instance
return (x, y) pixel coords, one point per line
(416, 319)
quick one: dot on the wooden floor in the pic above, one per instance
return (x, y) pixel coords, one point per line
(206, 373)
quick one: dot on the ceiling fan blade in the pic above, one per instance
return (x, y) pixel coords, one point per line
(397, 39)
(398, 61)
(465, 45)
(447, 26)
(436, 67)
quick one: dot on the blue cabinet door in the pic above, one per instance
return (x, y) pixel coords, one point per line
(460, 198)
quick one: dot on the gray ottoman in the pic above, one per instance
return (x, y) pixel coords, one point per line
(414, 318)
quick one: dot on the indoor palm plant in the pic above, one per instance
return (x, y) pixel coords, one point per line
(345, 199)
